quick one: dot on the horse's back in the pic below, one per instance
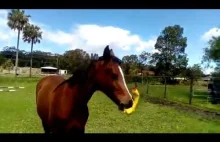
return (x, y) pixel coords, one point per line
(44, 94)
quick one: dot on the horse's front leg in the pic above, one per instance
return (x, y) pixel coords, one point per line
(77, 131)
(46, 128)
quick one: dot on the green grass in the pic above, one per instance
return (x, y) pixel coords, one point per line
(18, 114)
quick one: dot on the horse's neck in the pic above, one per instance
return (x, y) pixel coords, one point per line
(84, 93)
(89, 86)
(86, 87)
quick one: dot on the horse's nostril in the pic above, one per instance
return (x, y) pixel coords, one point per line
(121, 106)
(130, 103)
(125, 106)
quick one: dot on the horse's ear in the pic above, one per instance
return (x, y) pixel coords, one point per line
(107, 52)
(112, 53)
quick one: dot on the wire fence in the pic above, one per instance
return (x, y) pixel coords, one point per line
(194, 91)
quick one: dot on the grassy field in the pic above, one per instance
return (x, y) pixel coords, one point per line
(181, 94)
(18, 114)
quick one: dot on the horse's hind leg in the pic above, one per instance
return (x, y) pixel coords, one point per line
(46, 128)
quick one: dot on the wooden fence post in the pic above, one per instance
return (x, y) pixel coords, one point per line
(191, 91)
(147, 84)
(142, 78)
(165, 89)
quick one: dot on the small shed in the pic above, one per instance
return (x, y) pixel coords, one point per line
(49, 70)
(207, 78)
(62, 72)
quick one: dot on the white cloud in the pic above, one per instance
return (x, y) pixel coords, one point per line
(37, 23)
(209, 34)
(89, 37)
(93, 38)
(146, 44)
(208, 70)
(3, 18)
(155, 51)
(6, 34)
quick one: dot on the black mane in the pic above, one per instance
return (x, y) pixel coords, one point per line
(80, 74)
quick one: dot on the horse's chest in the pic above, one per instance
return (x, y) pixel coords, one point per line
(74, 119)
(66, 111)
(80, 117)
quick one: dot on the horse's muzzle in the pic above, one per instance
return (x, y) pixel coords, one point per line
(125, 106)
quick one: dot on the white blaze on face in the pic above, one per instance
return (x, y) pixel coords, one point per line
(123, 78)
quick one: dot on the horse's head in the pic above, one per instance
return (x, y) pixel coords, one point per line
(110, 79)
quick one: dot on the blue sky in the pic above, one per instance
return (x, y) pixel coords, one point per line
(126, 31)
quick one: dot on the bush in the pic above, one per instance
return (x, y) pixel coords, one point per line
(1, 69)
(131, 79)
(185, 82)
(155, 81)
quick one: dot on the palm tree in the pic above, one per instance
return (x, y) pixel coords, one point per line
(16, 21)
(32, 34)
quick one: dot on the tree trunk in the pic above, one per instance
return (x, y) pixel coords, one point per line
(57, 62)
(191, 91)
(16, 61)
(32, 43)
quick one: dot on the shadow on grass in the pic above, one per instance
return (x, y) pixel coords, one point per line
(198, 110)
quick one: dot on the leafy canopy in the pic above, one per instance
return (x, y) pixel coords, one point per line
(17, 19)
(171, 58)
(32, 33)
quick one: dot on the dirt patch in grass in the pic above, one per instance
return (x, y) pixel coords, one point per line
(190, 108)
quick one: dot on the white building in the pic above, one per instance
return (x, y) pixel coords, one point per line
(62, 72)
(48, 70)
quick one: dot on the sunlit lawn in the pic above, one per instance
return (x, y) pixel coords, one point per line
(18, 113)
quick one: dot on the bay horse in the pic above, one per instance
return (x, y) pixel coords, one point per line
(62, 103)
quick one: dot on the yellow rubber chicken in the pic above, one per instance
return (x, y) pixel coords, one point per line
(136, 96)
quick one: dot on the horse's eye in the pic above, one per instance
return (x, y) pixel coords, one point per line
(114, 76)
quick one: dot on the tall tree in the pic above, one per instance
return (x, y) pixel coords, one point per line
(16, 21)
(74, 59)
(8, 65)
(212, 53)
(194, 72)
(39, 59)
(32, 34)
(9, 52)
(143, 59)
(216, 73)
(2, 59)
(129, 63)
(171, 46)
